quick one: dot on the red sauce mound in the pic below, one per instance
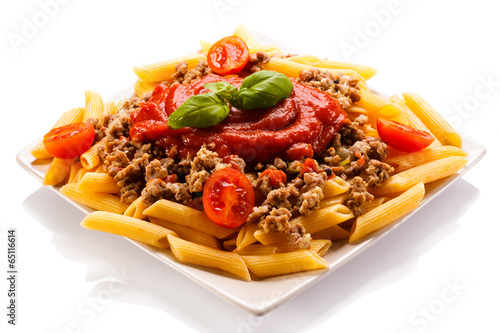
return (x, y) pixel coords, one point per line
(299, 126)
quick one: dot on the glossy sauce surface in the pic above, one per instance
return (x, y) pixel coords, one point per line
(301, 124)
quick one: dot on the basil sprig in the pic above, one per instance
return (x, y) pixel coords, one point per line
(260, 90)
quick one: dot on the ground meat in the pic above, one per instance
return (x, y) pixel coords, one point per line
(350, 133)
(310, 200)
(157, 189)
(256, 61)
(280, 197)
(116, 125)
(197, 179)
(276, 221)
(97, 129)
(280, 164)
(298, 237)
(258, 214)
(183, 75)
(158, 168)
(358, 195)
(344, 88)
(377, 172)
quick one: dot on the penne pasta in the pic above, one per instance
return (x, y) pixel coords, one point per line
(188, 233)
(387, 213)
(74, 176)
(293, 69)
(365, 71)
(209, 257)
(424, 173)
(163, 71)
(335, 186)
(187, 216)
(245, 34)
(90, 159)
(136, 209)
(437, 125)
(324, 218)
(404, 162)
(335, 232)
(141, 88)
(59, 170)
(98, 182)
(376, 105)
(130, 227)
(94, 106)
(246, 235)
(98, 201)
(284, 263)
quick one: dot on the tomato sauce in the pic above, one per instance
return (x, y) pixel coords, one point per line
(300, 125)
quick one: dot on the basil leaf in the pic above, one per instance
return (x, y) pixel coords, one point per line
(261, 90)
(199, 111)
(222, 88)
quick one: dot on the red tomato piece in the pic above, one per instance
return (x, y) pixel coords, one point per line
(148, 111)
(69, 141)
(151, 130)
(403, 138)
(228, 197)
(275, 176)
(228, 55)
(309, 165)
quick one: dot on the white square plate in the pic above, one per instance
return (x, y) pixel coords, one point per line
(262, 296)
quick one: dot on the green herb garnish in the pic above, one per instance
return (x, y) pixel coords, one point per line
(260, 90)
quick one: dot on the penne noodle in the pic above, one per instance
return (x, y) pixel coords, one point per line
(320, 246)
(257, 250)
(74, 172)
(387, 212)
(335, 232)
(187, 216)
(365, 71)
(98, 201)
(407, 161)
(90, 159)
(268, 238)
(163, 71)
(193, 253)
(293, 69)
(94, 106)
(324, 218)
(335, 186)
(245, 34)
(110, 108)
(141, 88)
(136, 209)
(338, 199)
(424, 173)
(246, 235)
(98, 182)
(376, 105)
(188, 233)
(284, 263)
(130, 227)
(72, 116)
(437, 125)
(59, 170)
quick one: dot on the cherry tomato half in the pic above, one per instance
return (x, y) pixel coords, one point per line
(228, 197)
(402, 137)
(228, 55)
(69, 141)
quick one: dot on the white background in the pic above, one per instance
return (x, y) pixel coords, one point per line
(437, 273)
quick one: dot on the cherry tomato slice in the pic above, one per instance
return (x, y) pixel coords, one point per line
(403, 138)
(228, 197)
(228, 55)
(69, 141)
